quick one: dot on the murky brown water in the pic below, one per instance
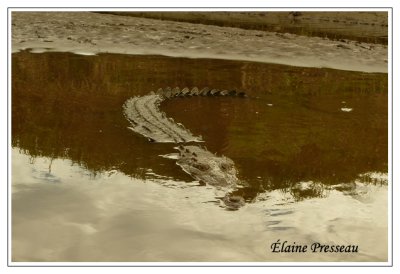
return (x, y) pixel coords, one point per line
(79, 173)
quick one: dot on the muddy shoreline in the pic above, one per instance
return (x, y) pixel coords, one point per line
(93, 33)
(369, 27)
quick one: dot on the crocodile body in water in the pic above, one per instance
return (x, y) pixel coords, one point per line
(148, 120)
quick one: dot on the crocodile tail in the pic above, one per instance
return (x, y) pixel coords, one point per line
(169, 93)
(149, 121)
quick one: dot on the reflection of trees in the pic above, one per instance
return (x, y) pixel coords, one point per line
(70, 106)
(289, 143)
(66, 105)
(287, 80)
(329, 149)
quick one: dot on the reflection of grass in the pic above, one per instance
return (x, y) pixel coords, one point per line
(374, 178)
(70, 106)
(309, 139)
(293, 82)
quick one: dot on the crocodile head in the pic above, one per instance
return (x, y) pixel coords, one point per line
(218, 171)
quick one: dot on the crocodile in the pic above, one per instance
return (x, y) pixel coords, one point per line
(218, 171)
(148, 120)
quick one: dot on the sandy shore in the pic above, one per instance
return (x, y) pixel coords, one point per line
(92, 33)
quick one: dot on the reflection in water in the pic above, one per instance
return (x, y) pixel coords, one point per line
(290, 129)
(290, 140)
(111, 217)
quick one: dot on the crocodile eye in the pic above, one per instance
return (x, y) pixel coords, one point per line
(225, 166)
(201, 167)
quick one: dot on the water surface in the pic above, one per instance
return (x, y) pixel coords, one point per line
(97, 191)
